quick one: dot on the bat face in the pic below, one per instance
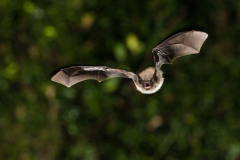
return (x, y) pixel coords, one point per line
(149, 81)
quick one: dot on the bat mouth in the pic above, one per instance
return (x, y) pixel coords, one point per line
(147, 85)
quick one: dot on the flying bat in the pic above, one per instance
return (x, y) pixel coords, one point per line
(149, 80)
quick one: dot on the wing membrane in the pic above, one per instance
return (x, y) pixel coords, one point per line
(72, 75)
(178, 45)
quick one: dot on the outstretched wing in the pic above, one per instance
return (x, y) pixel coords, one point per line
(181, 44)
(72, 75)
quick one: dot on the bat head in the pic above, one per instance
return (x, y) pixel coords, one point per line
(148, 85)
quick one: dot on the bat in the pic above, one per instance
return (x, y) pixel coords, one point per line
(149, 80)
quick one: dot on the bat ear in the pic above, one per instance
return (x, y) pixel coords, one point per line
(155, 78)
(140, 81)
(138, 75)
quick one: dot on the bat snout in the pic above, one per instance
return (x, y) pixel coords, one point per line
(147, 85)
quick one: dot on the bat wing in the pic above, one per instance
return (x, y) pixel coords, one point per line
(181, 44)
(72, 75)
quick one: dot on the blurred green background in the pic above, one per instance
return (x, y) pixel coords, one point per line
(195, 115)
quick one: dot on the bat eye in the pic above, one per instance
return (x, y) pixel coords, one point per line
(152, 82)
(154, 78)
(140, 81)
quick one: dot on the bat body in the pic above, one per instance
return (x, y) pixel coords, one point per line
(149, 80)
